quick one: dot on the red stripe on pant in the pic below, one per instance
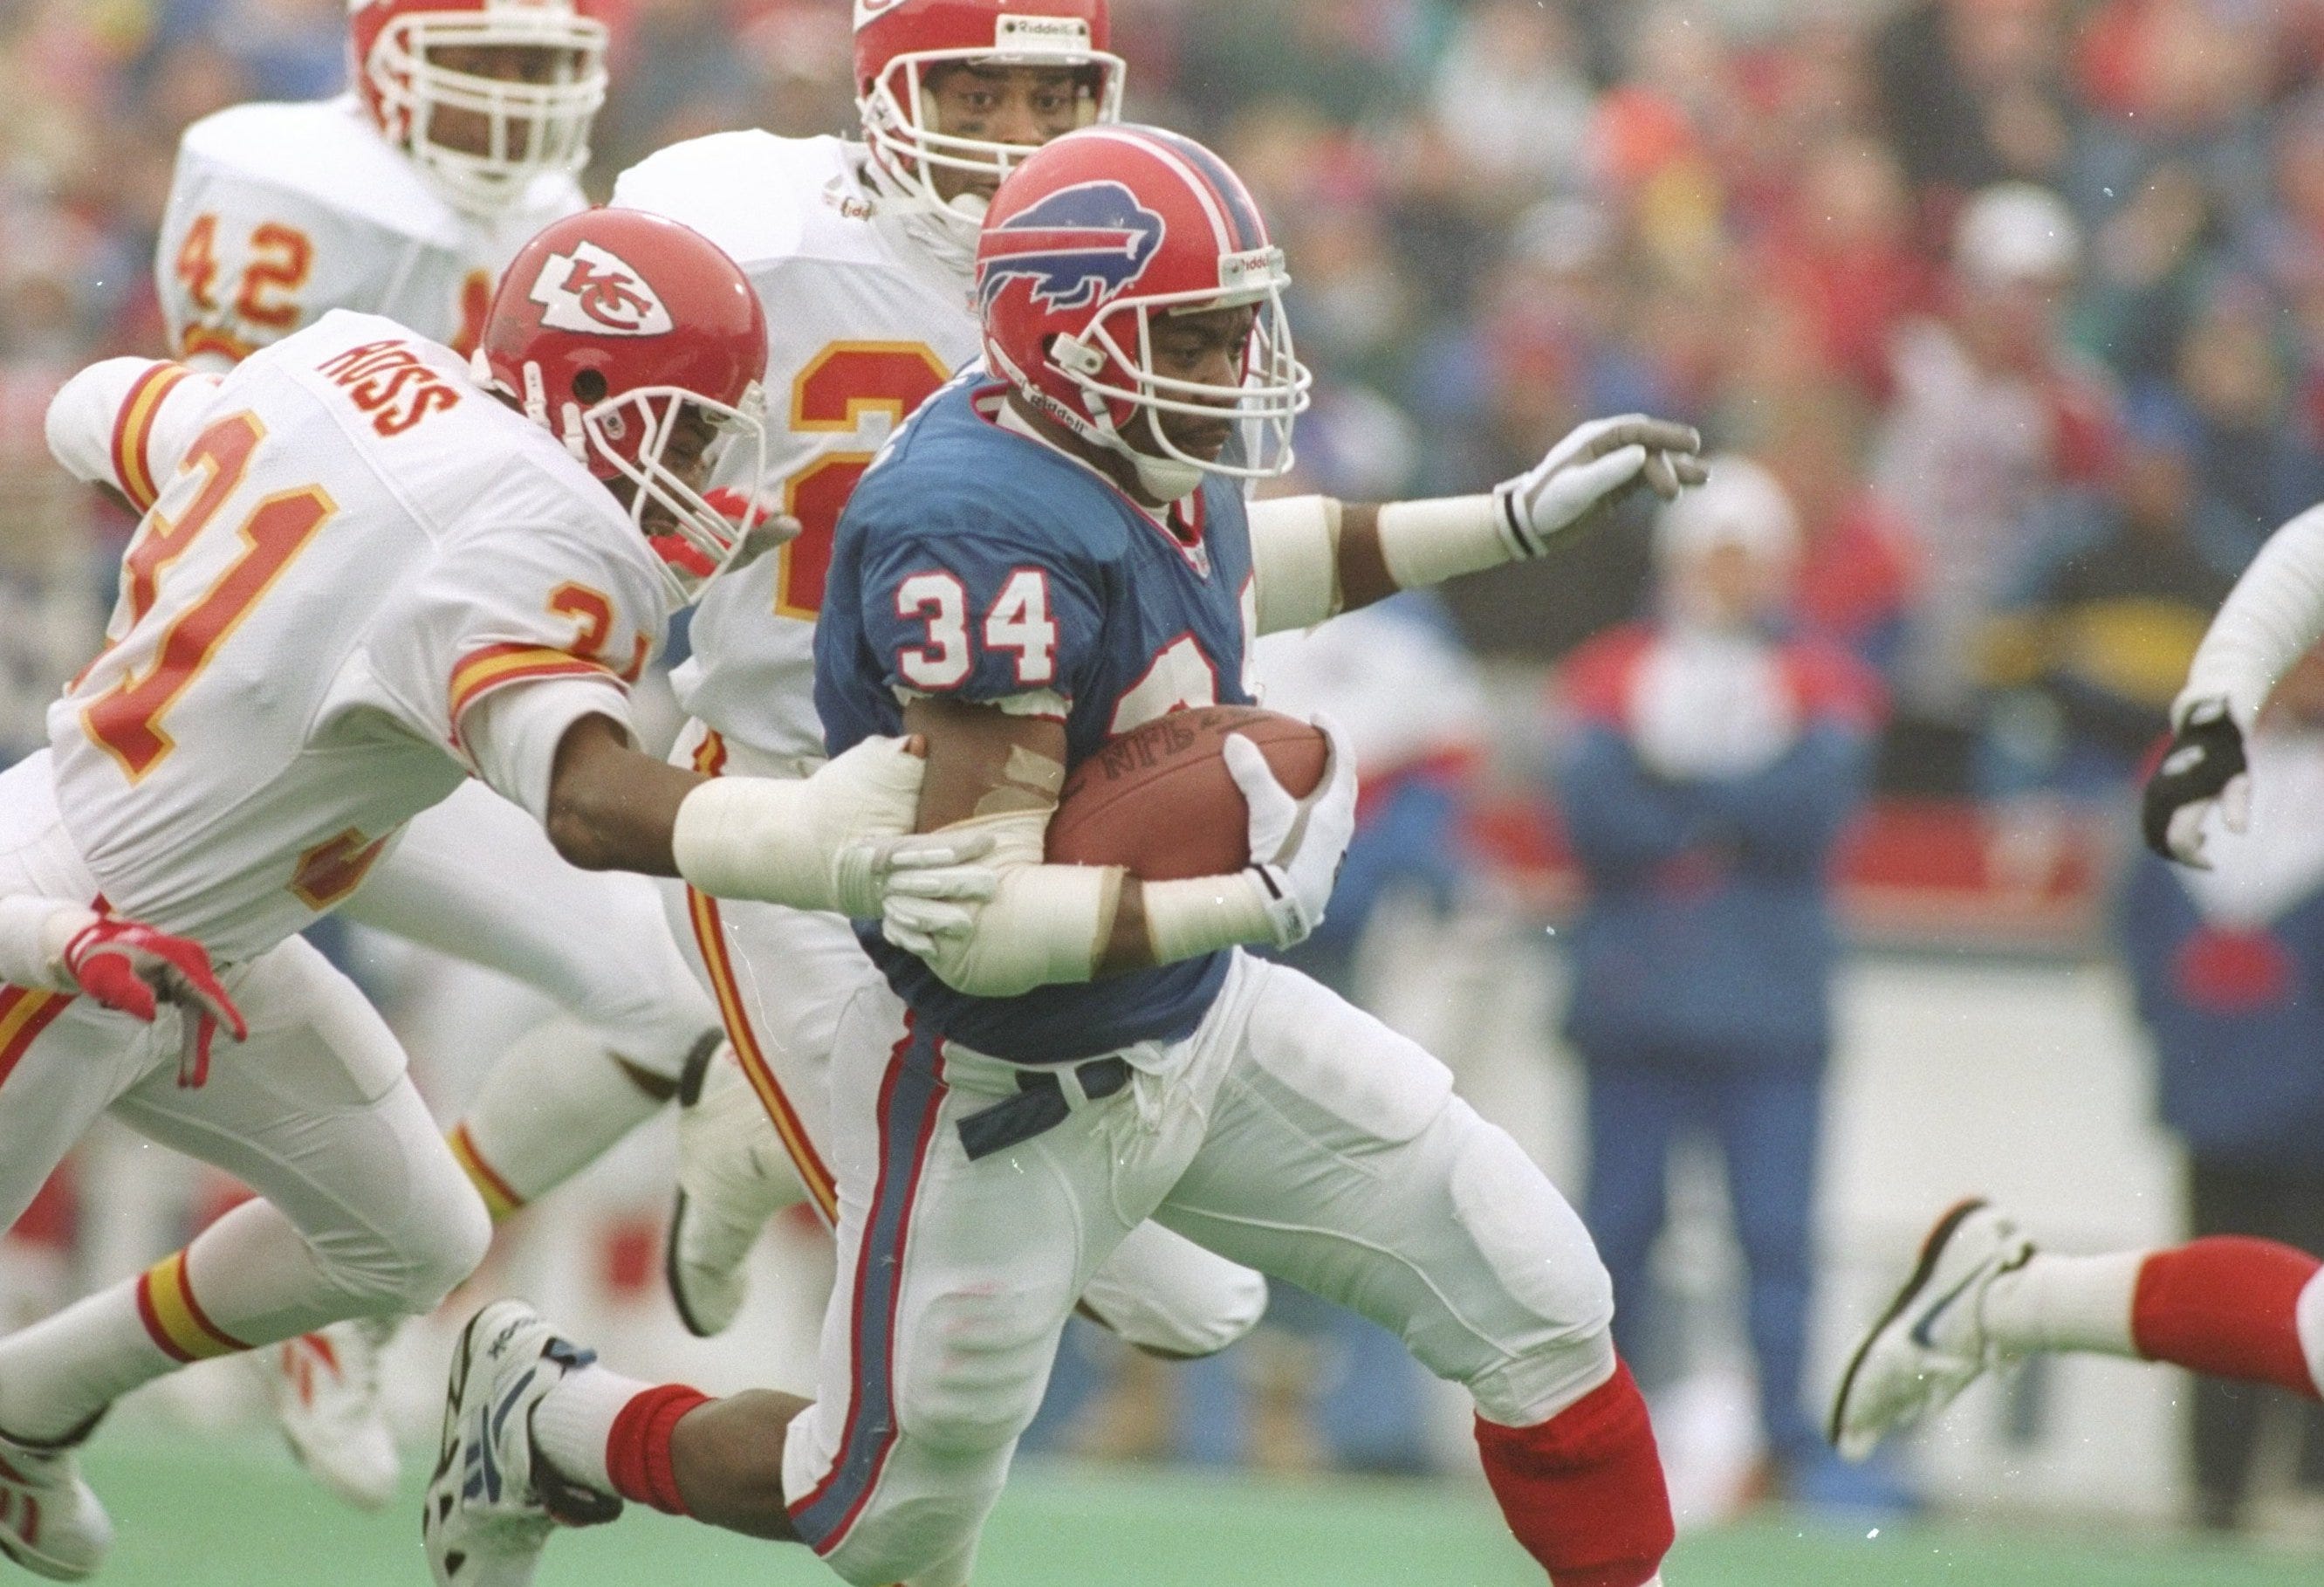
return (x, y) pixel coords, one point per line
(1584, 1491)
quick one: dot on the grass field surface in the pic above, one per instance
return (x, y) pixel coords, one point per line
(194, 1513)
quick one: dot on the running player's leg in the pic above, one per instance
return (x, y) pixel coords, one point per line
(955, 1279)
(782, 978)
(1982, 1293)
(1338, 1158)
(477, 878)
(364, 1213)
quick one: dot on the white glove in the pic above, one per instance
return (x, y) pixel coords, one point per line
(2204, 769)
(830, 841)
(1594, 468)
(1296, 845)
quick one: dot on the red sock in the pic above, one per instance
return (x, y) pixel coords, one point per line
(1584, 1491)
(637, 1450)
(2225, 1306)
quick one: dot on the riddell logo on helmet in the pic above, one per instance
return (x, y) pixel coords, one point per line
(1049, 34)
(593, 291)
(1080, 246)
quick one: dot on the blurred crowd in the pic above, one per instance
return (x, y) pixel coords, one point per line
(2016, 308)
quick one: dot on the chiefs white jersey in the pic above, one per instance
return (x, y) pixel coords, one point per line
(280, 213)
(862, 326)
(353, 554)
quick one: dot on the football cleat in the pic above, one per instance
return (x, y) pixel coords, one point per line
(733, 1175)
(51, 1522)
(326, 1390)
(1930, 1344)
(492, 1504)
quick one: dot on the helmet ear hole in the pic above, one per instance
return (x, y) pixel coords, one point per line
(589, 387)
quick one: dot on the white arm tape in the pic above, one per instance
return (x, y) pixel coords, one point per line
(33, 935)
(755, 837)
(1185, 919)
(1048, 925)
(1294, 558)
(1427, 543)
(2272, 617)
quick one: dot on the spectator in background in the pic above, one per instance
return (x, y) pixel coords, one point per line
(1712, 765)
(2228, 965)
(1974, 93)
(2117, 593)
(1993, 416)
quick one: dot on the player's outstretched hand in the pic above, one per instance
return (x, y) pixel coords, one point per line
(1600, 465)
(1296, 845)
(133, 969)
(2204, 768)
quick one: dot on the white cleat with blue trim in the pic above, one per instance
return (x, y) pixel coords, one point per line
(1932, 1343)
(490, 1506)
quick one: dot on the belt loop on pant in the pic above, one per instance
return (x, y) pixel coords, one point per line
(1041, 1103)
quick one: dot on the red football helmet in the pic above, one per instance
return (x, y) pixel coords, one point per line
(898, 42)
(1087, 241)
(607, 329)
(528, 127)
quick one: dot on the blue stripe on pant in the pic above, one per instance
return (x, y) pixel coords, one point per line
(910, 1098)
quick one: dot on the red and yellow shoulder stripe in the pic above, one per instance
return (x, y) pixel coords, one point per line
(24, 1015)
(132, 432)
(497, 666)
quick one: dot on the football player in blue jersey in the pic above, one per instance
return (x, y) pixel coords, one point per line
(1048, 555)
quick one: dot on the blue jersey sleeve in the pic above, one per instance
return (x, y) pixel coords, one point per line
(976, 611)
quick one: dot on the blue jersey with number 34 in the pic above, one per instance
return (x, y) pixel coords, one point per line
(975, 563)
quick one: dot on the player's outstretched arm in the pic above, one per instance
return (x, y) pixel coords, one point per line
(998, 774)
(1315, 557)
(826, 841)
(2271, 618)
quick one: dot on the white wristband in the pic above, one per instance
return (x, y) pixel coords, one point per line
(757, 837)
(1186, 919)
(35, 933)
(1427, 543)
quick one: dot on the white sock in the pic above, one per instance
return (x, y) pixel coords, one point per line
(572, 1421)
(64, 1369)
(556, 1103)
(2065, 1303)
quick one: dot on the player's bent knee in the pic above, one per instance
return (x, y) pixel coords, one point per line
(409, 1269)
(982, 1363)
(1214, 1317)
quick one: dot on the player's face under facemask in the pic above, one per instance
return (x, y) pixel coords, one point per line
(662, 446)
(484, 116)
(949, 127)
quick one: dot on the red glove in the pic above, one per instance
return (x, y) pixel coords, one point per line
(133, 969)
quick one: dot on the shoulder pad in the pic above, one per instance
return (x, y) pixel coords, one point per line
(763, 198)
(322, 155)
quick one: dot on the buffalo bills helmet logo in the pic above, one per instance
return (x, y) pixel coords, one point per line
(1080, 246)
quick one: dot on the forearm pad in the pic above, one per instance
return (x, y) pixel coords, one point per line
(35, 933)
(762, 838)
(1295, 556)
(1424, 543)
(1047, 926)
(1186, 919)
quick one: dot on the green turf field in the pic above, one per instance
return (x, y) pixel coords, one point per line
(235, 1515)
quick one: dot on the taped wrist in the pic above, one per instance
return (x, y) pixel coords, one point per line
(35, 933)
(759, 838)
(1047, 926)
(1186, 919)
(1294, 553)
(1425, 543)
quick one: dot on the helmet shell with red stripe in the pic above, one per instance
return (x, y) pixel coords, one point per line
(642, 346)
(900, 45)
(1089, 242)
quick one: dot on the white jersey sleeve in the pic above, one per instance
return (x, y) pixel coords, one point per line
(126, 422)
(516, 608)
(2274, 616)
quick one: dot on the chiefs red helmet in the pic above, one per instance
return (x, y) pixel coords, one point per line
(481, 138)
(1091, 239)
(615, 329)
(898, 43)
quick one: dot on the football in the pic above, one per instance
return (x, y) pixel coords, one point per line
(1160, 801)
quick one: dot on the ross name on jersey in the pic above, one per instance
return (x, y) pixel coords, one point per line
(393, 383)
